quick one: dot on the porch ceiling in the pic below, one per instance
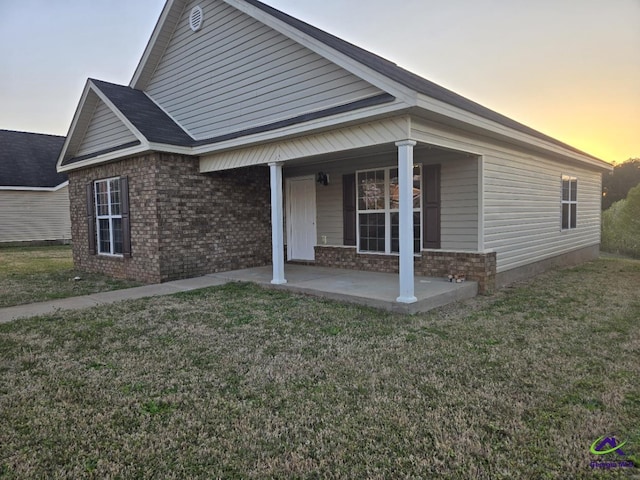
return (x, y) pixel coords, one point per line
(353, 142)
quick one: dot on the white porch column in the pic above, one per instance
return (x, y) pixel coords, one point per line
(405, 192)
(277, 224)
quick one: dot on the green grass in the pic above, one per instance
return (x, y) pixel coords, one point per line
(37, 274)
(243, 382)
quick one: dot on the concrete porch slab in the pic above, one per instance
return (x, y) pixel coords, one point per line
(378, 290)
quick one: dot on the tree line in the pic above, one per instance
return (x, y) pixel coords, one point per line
(616, 185)
(621, 205)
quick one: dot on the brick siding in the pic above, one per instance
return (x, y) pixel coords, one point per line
(183, 223)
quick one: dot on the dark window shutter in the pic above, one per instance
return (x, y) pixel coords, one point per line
(431, 222)
(124, 210)
(91, 219)
(349, 209)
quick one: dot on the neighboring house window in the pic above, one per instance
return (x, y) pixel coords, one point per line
(378, 207)
(569, 202)
(108, 217)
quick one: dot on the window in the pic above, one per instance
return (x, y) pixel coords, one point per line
(569, 202)
(109, 216)
(378, 207)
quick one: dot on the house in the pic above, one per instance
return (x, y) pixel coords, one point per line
(248, 138)
(34, 197)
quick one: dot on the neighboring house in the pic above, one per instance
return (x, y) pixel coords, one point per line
(34, 197)
(247, 137)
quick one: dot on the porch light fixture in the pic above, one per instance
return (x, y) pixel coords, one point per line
(322, 178)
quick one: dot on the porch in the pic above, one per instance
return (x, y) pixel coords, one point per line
(369, 198)
(374, 289)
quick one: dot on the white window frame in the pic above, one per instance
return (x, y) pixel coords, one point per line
(110, 216)
(572, 219)
(387, 210)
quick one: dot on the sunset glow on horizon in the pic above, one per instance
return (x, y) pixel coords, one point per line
(569, 69)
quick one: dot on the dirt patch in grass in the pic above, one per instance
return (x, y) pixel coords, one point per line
(242, 382)
(37, 274)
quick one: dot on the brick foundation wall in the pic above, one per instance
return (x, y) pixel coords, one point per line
(183, 223)
(476, 266)
(480, 267)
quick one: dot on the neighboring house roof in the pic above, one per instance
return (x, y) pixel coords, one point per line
(29, 160)
(155, 129)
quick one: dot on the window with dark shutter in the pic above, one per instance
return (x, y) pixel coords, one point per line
(91, 220)
(431, 210)
(126, 224)
(349, 209)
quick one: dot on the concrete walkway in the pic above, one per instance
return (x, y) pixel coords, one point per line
(86, 301)
(377, 290)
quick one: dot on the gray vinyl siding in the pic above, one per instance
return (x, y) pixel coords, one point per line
(105, 131)
(522, 220)
(32, 216)
(459, 210)
(459, 204)
(236, 73)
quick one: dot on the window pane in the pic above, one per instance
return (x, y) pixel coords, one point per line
(574, 211)
(104, 240)
(371, 190)
(102, 198)
(565, 190)
(395, 232)
(117, 235)
(115, 196)
(372, 225)
(394, 191)
(574, 190)
(565, 215)
(416, 232)
(417, 186)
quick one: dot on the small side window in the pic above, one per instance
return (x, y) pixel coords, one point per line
(569, 202)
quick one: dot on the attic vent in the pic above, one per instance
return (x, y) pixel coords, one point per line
(195, 19)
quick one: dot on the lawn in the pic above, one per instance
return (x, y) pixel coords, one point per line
(37, 274)
(243, 382)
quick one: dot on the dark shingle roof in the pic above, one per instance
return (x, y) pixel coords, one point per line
(144, 114)
(407, 78)
(29, 160)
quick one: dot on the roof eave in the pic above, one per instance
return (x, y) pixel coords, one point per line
(458, 115)
(35, 189)
(106, 158)
(317, 125)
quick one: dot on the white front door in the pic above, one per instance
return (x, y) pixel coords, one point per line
(301, 218)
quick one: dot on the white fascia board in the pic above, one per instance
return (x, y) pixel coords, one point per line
(35, 189)
(302, 128)
(469, 118)
(107, 157)
(74, 124)
(151, 45)
(380, 81)
(167, 148)
(118, 113)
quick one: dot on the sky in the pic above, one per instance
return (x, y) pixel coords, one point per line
(568, 68)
